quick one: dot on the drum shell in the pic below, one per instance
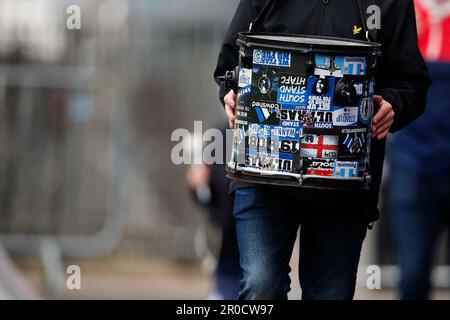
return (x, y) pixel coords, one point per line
(304, 111)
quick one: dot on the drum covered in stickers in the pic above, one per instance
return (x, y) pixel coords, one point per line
(304, 111)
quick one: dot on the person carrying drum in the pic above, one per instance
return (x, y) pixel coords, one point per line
(333, 223)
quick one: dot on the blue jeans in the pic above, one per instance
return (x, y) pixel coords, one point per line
(418, 204)
(267, 222)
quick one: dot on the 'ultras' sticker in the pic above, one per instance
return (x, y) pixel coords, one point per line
(345, 116)
(319, 146)
(346, 169)
(353, 142)
(245, 77)
(265, 161)
(292, 89)
(319, 167)
(271, 58)
(306, 119)
(338, 66)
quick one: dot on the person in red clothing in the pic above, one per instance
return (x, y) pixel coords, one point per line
(433, 28)
(420, 160)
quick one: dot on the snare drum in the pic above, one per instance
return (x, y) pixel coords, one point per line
(304, 111)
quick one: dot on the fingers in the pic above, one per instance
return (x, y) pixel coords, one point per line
(230, 99)
(378, 99)
(383, 135)
(230, 114)
(386, 121)
(230, 107)
(383, 112)
(383, 119)
(383, 130)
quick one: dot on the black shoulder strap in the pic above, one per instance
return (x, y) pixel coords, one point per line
(256, 24)
(371, 34)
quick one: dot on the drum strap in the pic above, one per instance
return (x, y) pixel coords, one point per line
(257, 23)
(371, 34)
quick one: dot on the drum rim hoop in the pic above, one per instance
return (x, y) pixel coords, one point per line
(361, 47)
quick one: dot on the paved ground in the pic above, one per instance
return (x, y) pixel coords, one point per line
(13, 283)
(127, 279)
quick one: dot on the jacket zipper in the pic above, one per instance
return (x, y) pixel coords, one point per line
(322, 15)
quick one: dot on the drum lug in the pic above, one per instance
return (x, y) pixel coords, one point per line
(300, 177)
(300, 180)
(231, 79)
(310, 64)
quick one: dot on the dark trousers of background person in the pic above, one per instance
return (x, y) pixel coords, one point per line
(420, 187)
(419, 206)
(330, 244)
(228, 271)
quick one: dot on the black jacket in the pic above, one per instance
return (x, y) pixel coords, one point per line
(402, 79)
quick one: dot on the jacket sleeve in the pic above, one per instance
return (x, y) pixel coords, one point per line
(229, 54)
(403, 79)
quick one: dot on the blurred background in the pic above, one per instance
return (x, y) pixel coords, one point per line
(86, 176)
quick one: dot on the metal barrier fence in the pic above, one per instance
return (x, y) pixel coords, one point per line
(85, 143)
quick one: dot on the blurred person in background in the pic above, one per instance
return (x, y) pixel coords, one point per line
(210, 187)
(420, 159)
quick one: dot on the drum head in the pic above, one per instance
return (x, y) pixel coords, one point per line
(309, 42)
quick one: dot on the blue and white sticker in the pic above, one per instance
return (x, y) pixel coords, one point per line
(338, 66)
(329, 66)
(306, 119)
(245, 91)
(262, 130)
(283, 132)
(319, 103)
(345, 116)
(292, 89)
(265, 161)
(265, 109)
(365, 110)
(362, 88)
(346, 169)
(272, 58)
(320, 93)
(245, 77)
(355, 66)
